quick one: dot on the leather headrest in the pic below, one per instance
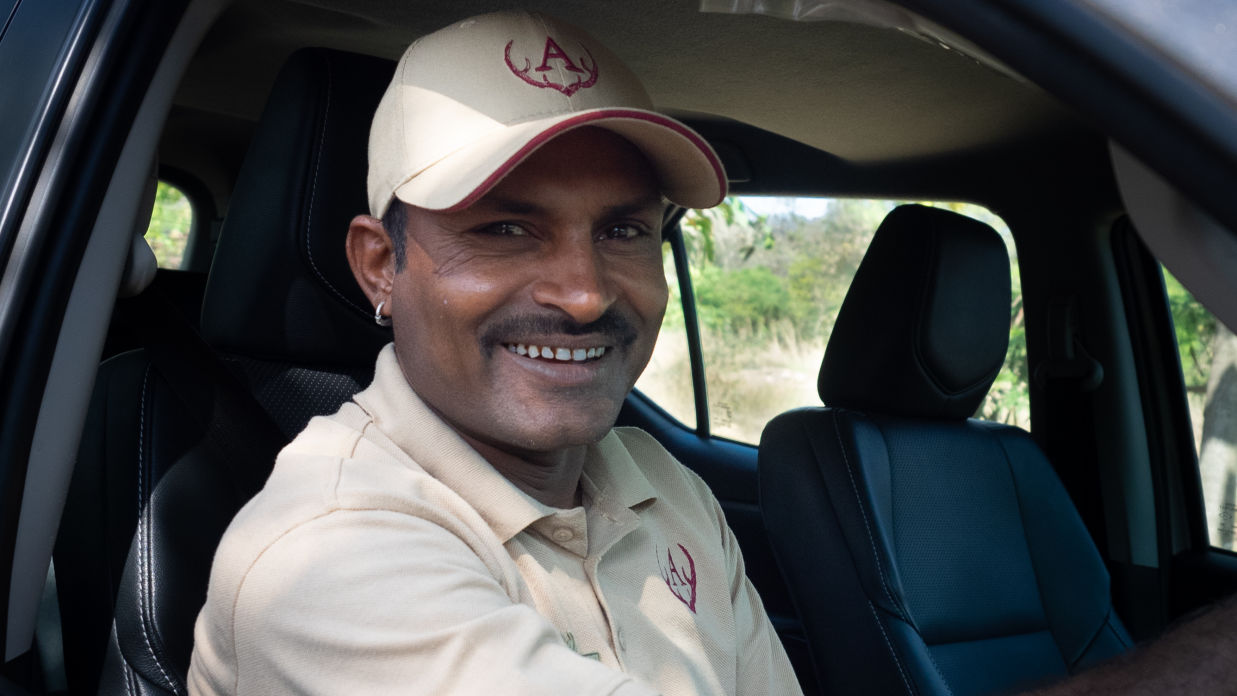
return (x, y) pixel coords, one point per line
(925, 325)
(280, 287)
(141, 265)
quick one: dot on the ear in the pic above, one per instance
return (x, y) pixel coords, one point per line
(371, 257)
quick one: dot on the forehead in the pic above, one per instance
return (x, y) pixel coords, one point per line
(590, 162)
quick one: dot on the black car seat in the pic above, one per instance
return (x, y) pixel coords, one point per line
(182, 432)
(927, 552)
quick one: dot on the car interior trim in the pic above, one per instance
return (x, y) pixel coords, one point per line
(54, 443)
(28, 184)
(1127, 89)
(687, 298)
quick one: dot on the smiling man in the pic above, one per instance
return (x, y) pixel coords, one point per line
(472, 522)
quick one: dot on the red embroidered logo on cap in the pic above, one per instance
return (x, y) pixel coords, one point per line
(680, 579)
(586, 76)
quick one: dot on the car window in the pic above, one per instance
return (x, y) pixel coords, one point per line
(1208, 351)
(171, 221)
(768, 276)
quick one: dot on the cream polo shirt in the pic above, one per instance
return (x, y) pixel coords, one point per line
(386, 556)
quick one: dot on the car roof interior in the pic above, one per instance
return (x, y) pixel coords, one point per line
(896, 114)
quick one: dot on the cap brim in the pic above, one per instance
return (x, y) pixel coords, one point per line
(689, 171)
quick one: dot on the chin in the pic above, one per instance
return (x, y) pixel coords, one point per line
(568, 437)
(552, 434)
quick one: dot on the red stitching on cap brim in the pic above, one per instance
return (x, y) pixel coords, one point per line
(577, 121)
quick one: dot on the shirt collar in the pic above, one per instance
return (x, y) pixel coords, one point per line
(614, 475)
(403, 417)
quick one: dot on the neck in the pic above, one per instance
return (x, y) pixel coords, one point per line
(551, 478)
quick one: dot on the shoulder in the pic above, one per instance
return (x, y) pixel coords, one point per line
(337, 502)
(339, 463)
(673, 482)
(293, 604)
(344, 523)
(655, 460)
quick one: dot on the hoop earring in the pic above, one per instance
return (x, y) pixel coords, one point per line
(379, 318)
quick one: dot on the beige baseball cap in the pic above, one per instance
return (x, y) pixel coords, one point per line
(470, 102)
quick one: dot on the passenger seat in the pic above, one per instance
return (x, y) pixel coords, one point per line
(928, 552)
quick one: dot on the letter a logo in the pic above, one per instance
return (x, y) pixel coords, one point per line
(552, 51)
(586, 76)
(680, 577)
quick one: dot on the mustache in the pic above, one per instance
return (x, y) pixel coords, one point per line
(613, 326)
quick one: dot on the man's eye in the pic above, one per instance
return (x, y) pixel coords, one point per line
(505, 229)
(622, 232)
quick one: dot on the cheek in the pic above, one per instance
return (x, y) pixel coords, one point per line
(461, 302)
(646, 286)
(435, 334)
(439, 315)
(436, 293)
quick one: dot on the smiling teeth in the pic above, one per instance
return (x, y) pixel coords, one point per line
(559, 354)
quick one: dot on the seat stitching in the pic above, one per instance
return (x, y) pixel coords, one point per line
(126, 670)
(880, 571)
(1113, 629)
(893, 653)
(939, 673)
(1105, 624)
(313, 193)
(130, 676)
(143, 521)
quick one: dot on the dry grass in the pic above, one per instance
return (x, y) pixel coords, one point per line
(750, 379)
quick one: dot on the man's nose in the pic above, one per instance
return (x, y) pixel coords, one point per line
(574, 279)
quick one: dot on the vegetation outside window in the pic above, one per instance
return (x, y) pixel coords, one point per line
(769, 276)
(1208, 352)
(170, 224)
(667, 379)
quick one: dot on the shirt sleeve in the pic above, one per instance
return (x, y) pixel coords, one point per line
(763, 667)
(374, 601)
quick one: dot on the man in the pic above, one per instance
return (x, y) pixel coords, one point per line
(471, 523)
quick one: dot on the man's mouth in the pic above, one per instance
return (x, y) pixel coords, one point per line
(556, 353)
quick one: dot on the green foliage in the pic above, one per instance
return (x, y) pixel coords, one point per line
(744, 300)
(700, 229)
(170, 223)
(674, 306)
(1195, 328)
(829, 251)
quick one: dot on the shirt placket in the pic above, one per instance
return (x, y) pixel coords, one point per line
(586, 629)
(607, 527)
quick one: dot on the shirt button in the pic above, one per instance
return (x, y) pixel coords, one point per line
(622, 643)
(563, 534)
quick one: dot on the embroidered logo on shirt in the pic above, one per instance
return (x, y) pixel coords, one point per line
(585, 72)
(570, 640)
(680, 576)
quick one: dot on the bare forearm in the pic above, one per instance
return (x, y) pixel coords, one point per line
(1197, 657)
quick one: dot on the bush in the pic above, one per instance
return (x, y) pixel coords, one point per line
(749, 300)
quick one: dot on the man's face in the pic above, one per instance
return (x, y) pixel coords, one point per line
(561, 260)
